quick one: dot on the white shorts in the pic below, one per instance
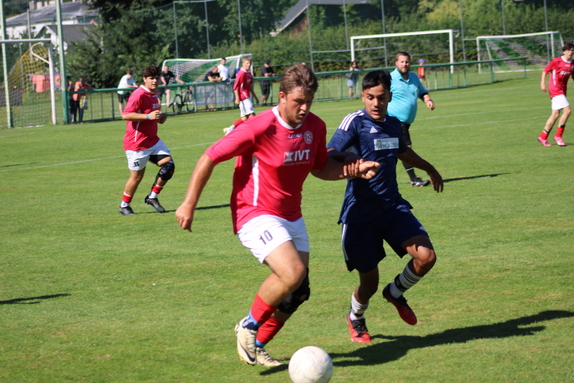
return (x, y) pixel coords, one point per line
(246, 107)
(265, 233)
(137, 160)
(559, 102)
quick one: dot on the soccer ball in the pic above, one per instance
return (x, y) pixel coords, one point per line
(310, 365)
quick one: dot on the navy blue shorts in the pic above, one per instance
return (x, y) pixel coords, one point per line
(363, 241)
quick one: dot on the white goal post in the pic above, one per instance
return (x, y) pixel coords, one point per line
(539, 48)
(450, 33)
(8, 86)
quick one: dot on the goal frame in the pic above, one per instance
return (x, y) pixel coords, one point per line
(550, 33)
(51, 73)
(450, 33)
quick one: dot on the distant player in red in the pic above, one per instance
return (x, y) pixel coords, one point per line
(243, 89)
(275, 151)
(560, 69)
(142, 144)
(421, 71)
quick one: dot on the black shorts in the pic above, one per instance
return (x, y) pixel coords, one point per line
(406, 134)
(124, 97)
(265, 87)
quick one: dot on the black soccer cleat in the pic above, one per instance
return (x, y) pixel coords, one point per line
(127, 210)
(154, 203)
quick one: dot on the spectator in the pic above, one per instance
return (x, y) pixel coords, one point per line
(127, 81)
(266, 71)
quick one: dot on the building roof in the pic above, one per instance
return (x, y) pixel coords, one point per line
(302, 6)
(70, 11)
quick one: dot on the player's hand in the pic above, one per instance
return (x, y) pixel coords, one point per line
(430, 104)
(351, 165)
(184, 216)
(368, 169)
(436, 181)
(155, 115)
(162, 118)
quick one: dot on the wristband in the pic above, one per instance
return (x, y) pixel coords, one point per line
(147, 116)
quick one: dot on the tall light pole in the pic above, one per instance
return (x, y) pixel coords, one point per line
(240, 32)
(384, 31)
(462, 31)
(503, 23)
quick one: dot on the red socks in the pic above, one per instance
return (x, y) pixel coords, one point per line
(261, 311)
(268, 331)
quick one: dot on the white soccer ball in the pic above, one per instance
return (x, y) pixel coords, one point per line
(310, 364)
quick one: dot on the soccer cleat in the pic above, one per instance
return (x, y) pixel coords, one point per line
(559, 141)
(418, 182)
(246, 343)
(228, 130)
(358, 329)
(405, 312)
(127, 210)
(264, 359)
(544, 142)
(154, 203)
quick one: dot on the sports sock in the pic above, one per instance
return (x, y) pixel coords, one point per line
(268, 331)
(155, 190)
(410, 171)
(544, 134)
(126, 200)
(404, 281)
(238, 122)
(260, 312)
(357, 308)
(560, 131)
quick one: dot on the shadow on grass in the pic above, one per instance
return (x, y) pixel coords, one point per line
(31, 300)
(473, 177)
(398, 346)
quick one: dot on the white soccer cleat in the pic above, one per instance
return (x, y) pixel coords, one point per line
(264, 359)
(246, 343)
(228, 130)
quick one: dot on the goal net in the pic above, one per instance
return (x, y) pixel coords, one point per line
(195, 70)
(538, 48)
(380, 50)
(31, 83)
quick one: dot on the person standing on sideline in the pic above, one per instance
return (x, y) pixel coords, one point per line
(561, 68)
(265, 85)
(352, 79)
(243, 89)
(142, 144)
(406, 89)
(165, 79)
(73, 105)
(374, 211)
(421, 72)
(223, 70)
(127, 81)
(275, 153)
(80, 86)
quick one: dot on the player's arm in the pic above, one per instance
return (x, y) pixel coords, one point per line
(255, 96)
(428, 101)
(410, 157)
(543, 81)
(351, 162)
(200, 176)
(336, 170)
(153, 115)
(179, 80)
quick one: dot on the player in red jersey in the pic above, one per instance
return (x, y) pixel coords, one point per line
(142, 144)
(561, 69)
(243, 89)
(275, 151)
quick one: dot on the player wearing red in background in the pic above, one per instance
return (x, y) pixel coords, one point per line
(560, 69)
(275, 153)
(142, 144)
(243, 89)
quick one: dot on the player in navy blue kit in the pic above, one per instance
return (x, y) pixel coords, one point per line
(373, 210)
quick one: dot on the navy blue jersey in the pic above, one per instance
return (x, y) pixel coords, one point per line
(373, 140)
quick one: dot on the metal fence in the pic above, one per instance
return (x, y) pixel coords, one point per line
(199, 97)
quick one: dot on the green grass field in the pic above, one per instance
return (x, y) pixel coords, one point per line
(89, 295)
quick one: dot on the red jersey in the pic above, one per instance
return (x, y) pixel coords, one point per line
(243, 82)
(561, 72)
(273, 161)
(141, 135)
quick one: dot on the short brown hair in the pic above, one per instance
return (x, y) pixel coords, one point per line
(402, 54)
(298, 75)
(151, 71)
